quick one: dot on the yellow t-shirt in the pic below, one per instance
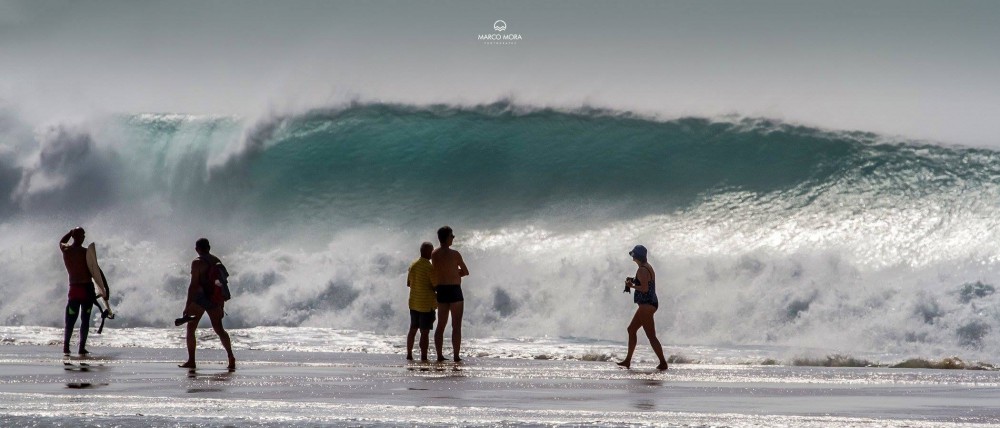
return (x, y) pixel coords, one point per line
(421, 286)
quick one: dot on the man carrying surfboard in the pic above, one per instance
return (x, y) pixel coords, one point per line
(81, 288)
(205, 297)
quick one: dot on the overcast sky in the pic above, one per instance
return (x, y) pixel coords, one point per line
(920, 69)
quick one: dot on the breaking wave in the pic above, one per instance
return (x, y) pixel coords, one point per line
(762, 232)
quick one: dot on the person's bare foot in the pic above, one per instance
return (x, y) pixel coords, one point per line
(662, 366)
(441, 359)
(458, 360)
(626, 364)
(187, 365)
(232, 364)
(66, 351)
(84, 352)
(409, 357)
(424, 360)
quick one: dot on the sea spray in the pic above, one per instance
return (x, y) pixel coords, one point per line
(761, 232)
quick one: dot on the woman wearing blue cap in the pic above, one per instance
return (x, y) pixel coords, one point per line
(644, 284)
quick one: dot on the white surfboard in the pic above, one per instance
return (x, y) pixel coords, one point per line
(97, 274)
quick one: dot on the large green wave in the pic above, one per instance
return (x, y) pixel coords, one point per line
(762, 231)
(498, 163)
(484, 165)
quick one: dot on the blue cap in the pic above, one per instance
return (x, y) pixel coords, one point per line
(638, 252)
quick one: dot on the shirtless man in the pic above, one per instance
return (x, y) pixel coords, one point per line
(449, 268)
(199, 303)
(81, 288)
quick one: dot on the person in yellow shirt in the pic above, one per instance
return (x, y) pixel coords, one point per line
(422, 301)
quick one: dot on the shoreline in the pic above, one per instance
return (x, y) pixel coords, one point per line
(326, 340)
(275, 388)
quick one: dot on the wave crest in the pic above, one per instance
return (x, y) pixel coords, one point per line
(763, 232)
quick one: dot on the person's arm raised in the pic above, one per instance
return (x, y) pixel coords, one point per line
(64, 242)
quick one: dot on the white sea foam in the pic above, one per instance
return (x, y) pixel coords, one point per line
(892, 249)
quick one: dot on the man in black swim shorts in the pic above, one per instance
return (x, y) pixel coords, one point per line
(449, 268)
(449, 293)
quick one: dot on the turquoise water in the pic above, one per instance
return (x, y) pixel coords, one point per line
(762, 232)
(491, 164)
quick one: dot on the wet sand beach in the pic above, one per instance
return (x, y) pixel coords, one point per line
(144, 387)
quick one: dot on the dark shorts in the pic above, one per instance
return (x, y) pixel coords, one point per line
(206, 303)
(421, 320)
(83, 292)
(449, 293)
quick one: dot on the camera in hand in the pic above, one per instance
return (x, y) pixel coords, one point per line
(629, 280)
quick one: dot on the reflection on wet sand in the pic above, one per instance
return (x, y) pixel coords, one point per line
(434, 368)
(84, 385)
(644, 405)
(212, 380)
(83, 368)
(217, 377)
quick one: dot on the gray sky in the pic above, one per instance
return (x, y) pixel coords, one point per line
(913, 68)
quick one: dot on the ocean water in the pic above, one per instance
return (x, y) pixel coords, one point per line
(763, 233)
(328, 340)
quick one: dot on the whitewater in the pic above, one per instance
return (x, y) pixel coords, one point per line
(764, 233)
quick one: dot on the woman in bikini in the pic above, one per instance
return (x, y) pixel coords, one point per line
(644, 284)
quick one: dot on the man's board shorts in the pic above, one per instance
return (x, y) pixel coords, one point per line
(449, 293)
(206, 303)
(83, 292)
(421, 320)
